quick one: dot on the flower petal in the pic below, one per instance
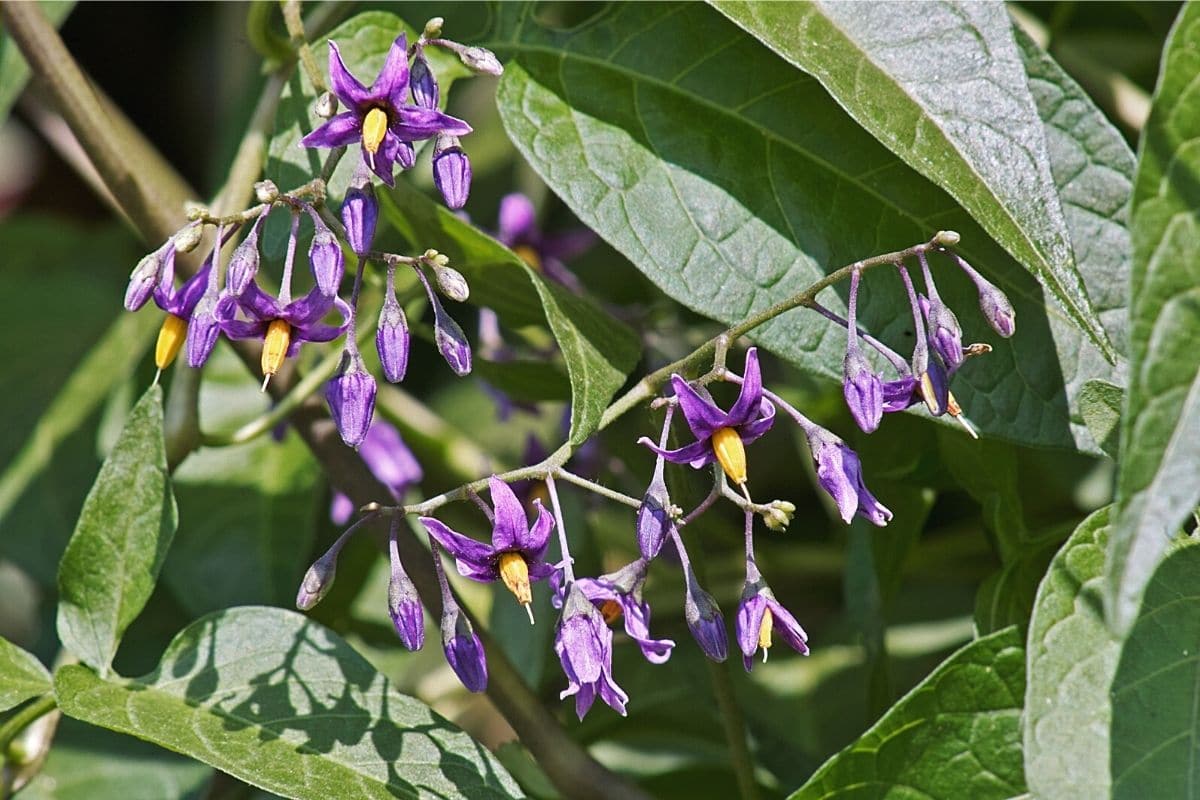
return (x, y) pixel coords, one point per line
(750, 397)
(749, 622)
(698, 454)
(753, 430)
(510, 528)
(258, 304)
(534, 543)
(339, 131)
(238, 329)
(476, 555)
(392, 81)
(343, 82)
(702, 415)
(786, 626)
(415, 123)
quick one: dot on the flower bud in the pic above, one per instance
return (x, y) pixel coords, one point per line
(203, 328)
(391, 336)
(243, 265)
(266, 191)
(422, 83)
(945, 334)
(704, 619)
(778, 515)
(406, 156)
(143, 279)
(451, 341)
(433, 28)
(451, 171)
(404, 605)
(187, 239)
(863, 390)
(481, 60)
(994, 304)
(326, 260)
(360, 213)
(351, 397)
(464, 651)
(326, 105)
(451, 283)
(653, 517)
(318, 580)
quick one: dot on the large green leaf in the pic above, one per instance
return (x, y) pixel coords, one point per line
(286, 705)
(955, 735)
(1159, 480)
(942, 86)
(1072, 659)
(87, 763)
(22, 676)
(733, 180)
(112, 561)
(1155, 743)
(14, 71)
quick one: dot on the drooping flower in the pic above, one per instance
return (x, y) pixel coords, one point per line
(839, 472)
(516, 555)
(380, 118)
(760, 617)
(583, 643)
(283, 326)
(721, 436)
(390, 461)
(618, 595)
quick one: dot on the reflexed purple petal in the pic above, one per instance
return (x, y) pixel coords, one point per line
(415, 123)
(310, 308)
(392, 81)
(476, 555)
(702, 415)
(611, 693)
(392, 339)
(351, 398)
(756, 428)
(343, 83)
(534, 544)
(510, 529)
(258, 304)
(698, 454)
(360, 214)
(517, 219)
(422, 83)
(786, 626)
(238, 329)
(452, 173)
(539, 570)
(837, 468)
(868, 507)
(637, 625)
(900, 394)
(383, 163)
(935, 386)
(193, 289)
(863, 390)
(749, 620)
(344, 129)
(750, 397)
(326, 260)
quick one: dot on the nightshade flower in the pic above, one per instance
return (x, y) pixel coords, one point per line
(618, 595)
(390, 461)
(583, 643)
(283, 326)
(517, 553)
(721, 436)
(760, 616)
(840, 474)
(381, 117)
(518, 230)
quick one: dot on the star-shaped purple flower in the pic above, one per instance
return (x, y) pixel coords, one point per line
(619, 595)
(381, 118)
(721, 435)
(517, 553)
(760, 615)
(583, 643)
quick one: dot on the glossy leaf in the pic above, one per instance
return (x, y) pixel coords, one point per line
(942, 86)
(22, 676)
(1100, 405)
(112, 561)
(286, 705)
(733, 180)
(1072, 659)
(1159, 480)
(1155, 718)
(957, 734)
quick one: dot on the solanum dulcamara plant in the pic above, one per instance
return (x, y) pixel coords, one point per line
(703, 346)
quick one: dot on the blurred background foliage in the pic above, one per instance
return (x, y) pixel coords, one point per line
(882, 607)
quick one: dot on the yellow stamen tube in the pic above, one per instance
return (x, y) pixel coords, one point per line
(373, 130)
(764, 632)
(515, 574)
(731, 453)
(275, 347)
(170, 339)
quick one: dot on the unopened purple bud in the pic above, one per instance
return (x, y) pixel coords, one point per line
(406, 155)
(945, 334)
(863, 390)
(325, 258)
(243, 265)
(994, 304)
(451, 171)
(653, 517)
(351, 397)
(404, 605)
(391, 337)
(464, 651)
(143, 279)
(451, 341)
(203, 329)
(704, 619)
(360, 213)
(318, 580)
(422, 83)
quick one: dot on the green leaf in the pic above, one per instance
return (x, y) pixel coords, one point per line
(598, 350)
(1072, 659)
(112, 561)
(14, 71)
(942, 87)
(1155, 717)
(1100, 405)
(955, 735)
(526, 381)
(1007, 596)
(733, 181)
(88, 763)
(22, 676)
(1158, 484)
(286, 705)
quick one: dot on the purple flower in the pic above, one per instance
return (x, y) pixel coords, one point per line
(619, 595)
(840, 474)
(760, 615)
(390, 461)
(721, 436)
(283, 326)
(380, 118)
(583, 643)
(517, 553)
(351, 398)
(546, 253)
